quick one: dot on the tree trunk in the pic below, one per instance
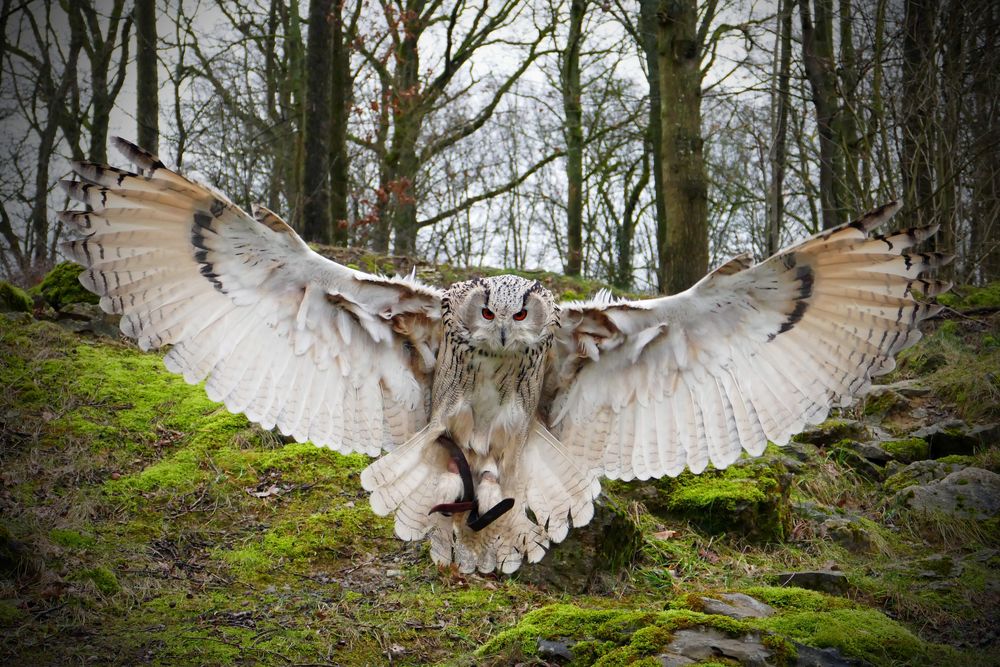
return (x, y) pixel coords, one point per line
(918, 109)
(685, 187)
(402, 160)
(147, 111)
(340, 105)
(778, 153)
(649, 30)
(572, 108)
(316, 224)
(817, 53)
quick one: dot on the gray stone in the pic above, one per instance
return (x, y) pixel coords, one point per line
(563, 649)
(951, 436)
(907, 388)
(848, 533)
(673, 660)
(825, 581)
(737, 605)
(833, 431)
(809, 656)
(706, 643)
(921, 472)
(89, 318)
(968, 493)
(869, 451)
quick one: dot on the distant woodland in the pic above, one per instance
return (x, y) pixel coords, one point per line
(633, 142)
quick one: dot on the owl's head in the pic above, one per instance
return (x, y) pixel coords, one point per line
(503, 313)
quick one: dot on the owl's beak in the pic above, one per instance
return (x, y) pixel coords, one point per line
(503, 336)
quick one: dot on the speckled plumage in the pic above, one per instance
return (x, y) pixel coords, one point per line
(498, 409)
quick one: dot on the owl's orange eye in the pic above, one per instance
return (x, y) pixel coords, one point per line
(487, 314)
(521, 314)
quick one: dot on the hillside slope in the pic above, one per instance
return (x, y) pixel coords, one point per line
(142, 523)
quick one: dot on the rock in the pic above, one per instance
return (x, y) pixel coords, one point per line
(907, 388)
(13, 299)
(737, 605)
(969, 493)
(939, 566)
(674, 660)
(848, 533)
(592, 557)
(750, 499)
(846, 454)
(809, 656)
(952, 436)
(908, 450)
(868, 450)
(833, 431)
(61, 286)
(548, 648)
(801, 451)
(89, 318)
(825, 581)
(882, 402)
(920, 472)
(706, 643)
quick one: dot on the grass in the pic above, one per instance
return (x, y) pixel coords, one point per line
(142, 523)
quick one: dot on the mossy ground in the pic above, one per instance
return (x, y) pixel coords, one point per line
(142, 523)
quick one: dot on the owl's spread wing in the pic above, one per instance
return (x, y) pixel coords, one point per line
(747, 355)
(291, 339)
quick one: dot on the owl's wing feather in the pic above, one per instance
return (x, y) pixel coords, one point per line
(325, 353)
(747, 355)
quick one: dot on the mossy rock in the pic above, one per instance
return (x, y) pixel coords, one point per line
(920, 472)
(61, 286)
(885, 402)
(13, 299)
(750, 499)
(592, 557)
(833, 431)
(908, 450)
(103, 579)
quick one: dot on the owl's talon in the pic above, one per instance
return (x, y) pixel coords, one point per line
(478, 521)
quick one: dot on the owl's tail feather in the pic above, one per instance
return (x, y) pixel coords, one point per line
(518, 505)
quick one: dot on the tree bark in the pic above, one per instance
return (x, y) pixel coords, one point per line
(817, 53)
(573, 110)
(649, 30)
(147, 112)
(918, 110)
(316, 224)
(340, 105)
(685, 186)
(778, 153)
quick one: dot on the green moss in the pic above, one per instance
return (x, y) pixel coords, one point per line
(61, 286)
(832, 431)
(884, 403)
(908, 450)
(606, 636)
(14, 299)
(957, 459)
(790, 598)
(750, 499)
(10, 614)
(71, 539)
(863, 634)
(102, 578)
(967, 297)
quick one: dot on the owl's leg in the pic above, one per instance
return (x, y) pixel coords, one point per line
(460, 465)
(489, 491)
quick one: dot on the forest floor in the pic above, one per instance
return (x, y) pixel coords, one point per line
(140, 523)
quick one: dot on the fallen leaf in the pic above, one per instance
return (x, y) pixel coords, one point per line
(665, 534)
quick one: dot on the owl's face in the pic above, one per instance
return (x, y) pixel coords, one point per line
(504, 313)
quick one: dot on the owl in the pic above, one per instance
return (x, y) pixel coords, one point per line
(494, 411)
